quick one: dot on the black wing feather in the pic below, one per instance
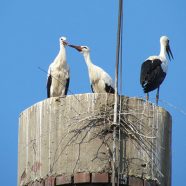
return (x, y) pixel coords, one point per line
(147, 67)
(152, 75)
(49, 82)
(92, 88)
(109, 89)
(67, 86)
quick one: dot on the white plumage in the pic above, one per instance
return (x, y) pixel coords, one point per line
(100, 81)
(154, 69)
(58, 73)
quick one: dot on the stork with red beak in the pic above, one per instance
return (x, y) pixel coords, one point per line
(58, 73)
(100, 81)
(154, 69)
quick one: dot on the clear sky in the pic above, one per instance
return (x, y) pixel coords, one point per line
(29, 34)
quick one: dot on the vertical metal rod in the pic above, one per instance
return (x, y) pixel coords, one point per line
(116, 94)
(120, 104)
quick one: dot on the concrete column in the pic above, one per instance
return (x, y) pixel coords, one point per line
(65, 136)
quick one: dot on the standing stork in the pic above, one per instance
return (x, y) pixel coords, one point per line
(154, 69)
(58, 73)
(100, 81)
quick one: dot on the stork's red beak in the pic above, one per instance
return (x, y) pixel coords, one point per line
(78, 48)
(65, 43)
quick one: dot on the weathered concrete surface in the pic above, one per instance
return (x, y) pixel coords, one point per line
(74, 134)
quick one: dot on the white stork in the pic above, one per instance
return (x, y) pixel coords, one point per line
(154, 69)
(100, 81)
(58, 73)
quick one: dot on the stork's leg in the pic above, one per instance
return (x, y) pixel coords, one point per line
(157, 95)
(147, 97)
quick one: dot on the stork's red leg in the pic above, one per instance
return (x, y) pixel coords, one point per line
(157, 95)
(147, 97)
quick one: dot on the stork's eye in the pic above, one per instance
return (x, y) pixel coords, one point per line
(85, 47)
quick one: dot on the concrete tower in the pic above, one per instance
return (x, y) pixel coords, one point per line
(68, 141)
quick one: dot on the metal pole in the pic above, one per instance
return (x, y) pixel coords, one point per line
(120, 134)
(116, 93)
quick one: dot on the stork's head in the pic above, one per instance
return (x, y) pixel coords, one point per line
(164, 40)
(63, 41)
(82, 49)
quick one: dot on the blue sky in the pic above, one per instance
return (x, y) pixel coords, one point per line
(29, 39)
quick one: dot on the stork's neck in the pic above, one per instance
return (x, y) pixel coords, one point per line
(62, 54)
(62, 50)
(162, 51)
(87, 59)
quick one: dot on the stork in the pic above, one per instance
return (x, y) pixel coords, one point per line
(58, 73)
(100, 81)
(154, 69)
